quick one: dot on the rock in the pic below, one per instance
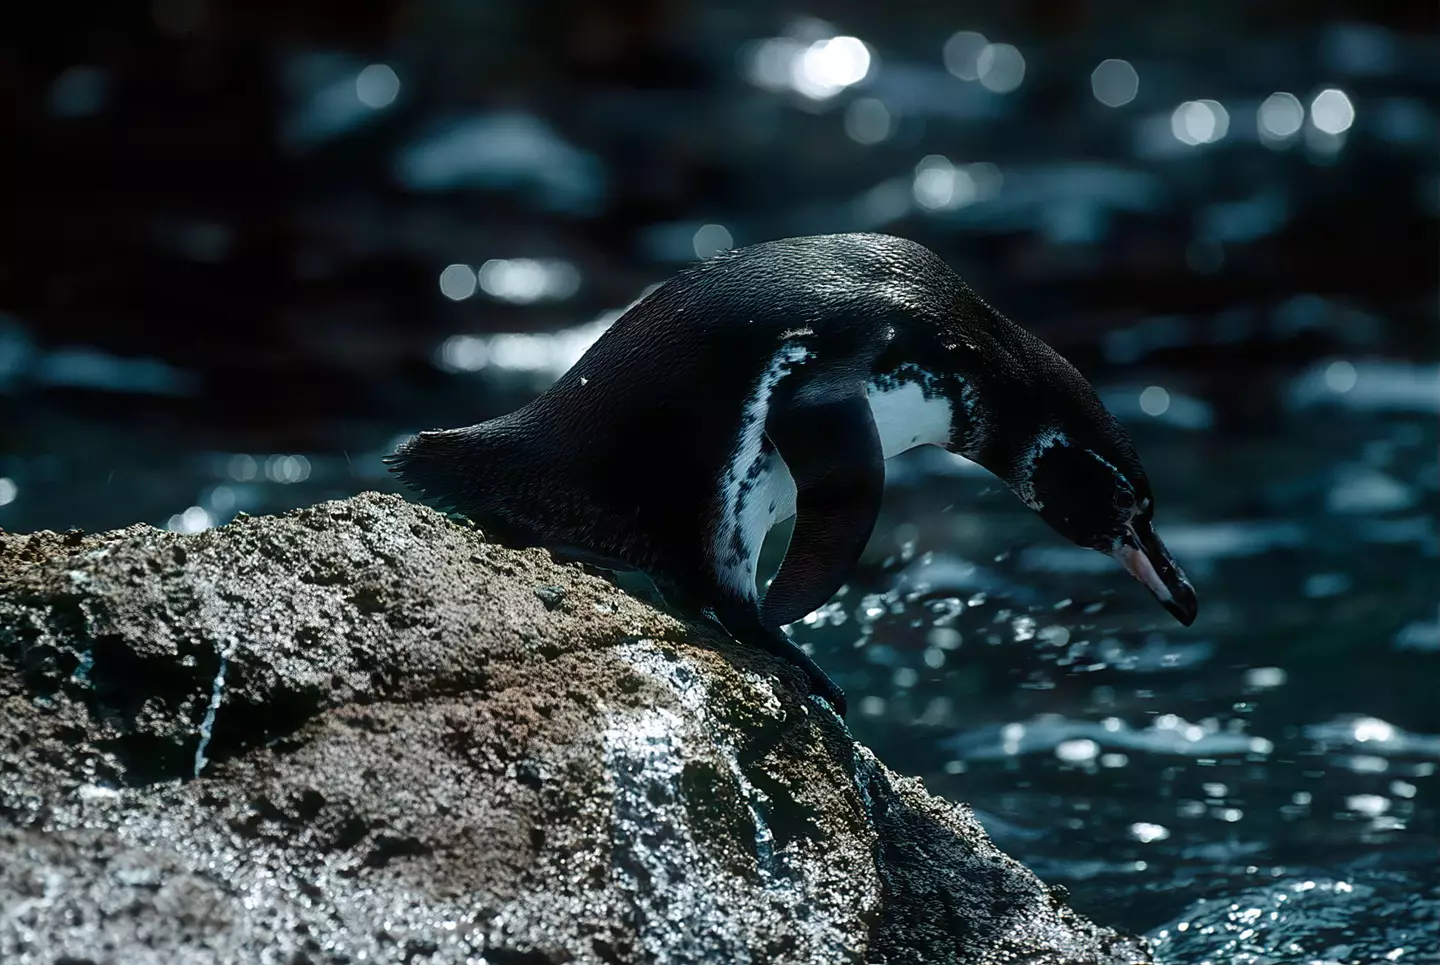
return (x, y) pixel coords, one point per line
(551, 596)
(414, 745)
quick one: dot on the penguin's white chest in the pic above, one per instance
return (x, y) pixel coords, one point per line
(773, 501)
(755, 486)
(905, 418)
(758, 490)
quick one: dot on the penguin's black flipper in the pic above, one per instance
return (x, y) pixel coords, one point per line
(833, 452)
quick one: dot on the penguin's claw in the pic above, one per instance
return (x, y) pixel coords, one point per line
(832, 695)
(820, 683)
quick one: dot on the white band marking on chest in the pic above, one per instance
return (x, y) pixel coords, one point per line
(756, 488)
(905, 418)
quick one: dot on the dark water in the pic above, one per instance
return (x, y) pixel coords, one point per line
(246, 265)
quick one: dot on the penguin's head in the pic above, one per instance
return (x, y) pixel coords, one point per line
(1087, 483)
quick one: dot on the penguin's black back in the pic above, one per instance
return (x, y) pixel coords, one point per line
(623, 455)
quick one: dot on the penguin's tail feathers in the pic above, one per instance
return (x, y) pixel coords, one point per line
(446, 466)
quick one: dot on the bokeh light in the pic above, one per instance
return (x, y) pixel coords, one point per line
(1265, 678)
(547, 354)
(987, 179)
(193, 520)
(817, 70)
(1200, 122)
(1154, 400)
(1082, 750)
(1340, 376)
(242, 467)
(377, 86)
(1114, 83)
(1368, 729)
(463, 353)
(768, 66)
(868, 121)
(939, 184)
(8, 490)
(522, 281)
(1145, 832)
(1001, 68)
(829, 66)
(519, 280)
(457, 282)
(1331, 111)
(711, 239)
(221, 500)
(1280, 116)
(287, 469)
(962, 54)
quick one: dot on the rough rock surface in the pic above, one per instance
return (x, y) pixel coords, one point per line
(414, 745)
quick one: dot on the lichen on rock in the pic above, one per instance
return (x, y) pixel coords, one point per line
(359, 731)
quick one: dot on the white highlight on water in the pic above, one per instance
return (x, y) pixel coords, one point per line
(1168, 734)
(1145, 832)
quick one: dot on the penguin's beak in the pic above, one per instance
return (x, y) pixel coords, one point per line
(1147, 559)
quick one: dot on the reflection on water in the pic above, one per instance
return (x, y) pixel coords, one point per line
(1370, 914)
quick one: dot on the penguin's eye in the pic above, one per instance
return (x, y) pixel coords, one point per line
(1124, 500)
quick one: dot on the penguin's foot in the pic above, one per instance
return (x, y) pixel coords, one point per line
(829, 691)
(775, 642)
(744, 624)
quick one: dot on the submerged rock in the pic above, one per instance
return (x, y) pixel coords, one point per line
(359, 732)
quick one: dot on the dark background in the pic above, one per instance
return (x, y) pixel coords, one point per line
(223, 229)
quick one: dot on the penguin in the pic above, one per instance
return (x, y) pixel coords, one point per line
(774, 381)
